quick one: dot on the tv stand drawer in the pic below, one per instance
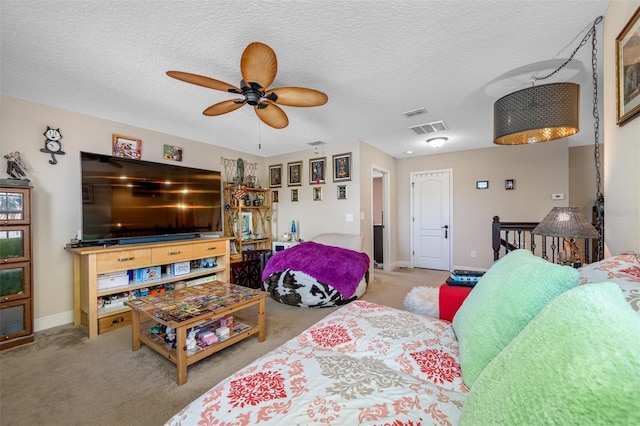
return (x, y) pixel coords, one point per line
(122, 260)
(209, 249)
(170, 254)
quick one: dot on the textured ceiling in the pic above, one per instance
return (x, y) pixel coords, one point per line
(374, 59)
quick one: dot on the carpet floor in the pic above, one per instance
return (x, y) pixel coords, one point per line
(63, 378)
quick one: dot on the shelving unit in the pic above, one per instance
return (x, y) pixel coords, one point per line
(90, 262)
(239, 213)
(16, 289)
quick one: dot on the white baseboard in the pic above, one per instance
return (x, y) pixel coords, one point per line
(51, 321)
(402, 264)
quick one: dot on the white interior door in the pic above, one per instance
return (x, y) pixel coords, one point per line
(432, 219)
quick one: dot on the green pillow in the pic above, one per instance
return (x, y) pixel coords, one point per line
(576, 363)
(502, 303)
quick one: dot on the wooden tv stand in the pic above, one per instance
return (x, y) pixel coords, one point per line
(90, 262)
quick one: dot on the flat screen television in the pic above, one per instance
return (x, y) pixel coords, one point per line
(130, 201)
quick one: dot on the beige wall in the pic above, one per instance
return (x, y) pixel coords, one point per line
(315, 217)
(539, 171)
(56, 194)
(622, 147)
(582, 178)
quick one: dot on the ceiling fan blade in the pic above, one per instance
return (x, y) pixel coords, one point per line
(259, 64)
(224, 107)
(203, 81)
(297, 97)
(272, 115)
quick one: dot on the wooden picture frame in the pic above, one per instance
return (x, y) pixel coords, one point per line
(628, 70)
(342, 192)
(342, 167)
(274, 197)
(317, 170)
(294, 196)
(317, 193)
(126, 147)
(509, 184)
(294, 173)
(275, 176)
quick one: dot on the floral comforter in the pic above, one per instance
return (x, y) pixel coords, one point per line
(364, 364)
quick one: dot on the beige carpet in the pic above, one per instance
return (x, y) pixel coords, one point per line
(66, 379)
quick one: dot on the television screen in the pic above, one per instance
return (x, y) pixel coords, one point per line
(126, 200)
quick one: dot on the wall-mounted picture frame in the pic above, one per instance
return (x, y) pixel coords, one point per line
(126, 147)
(509, 184)
(482, 184)
(317, 168)
(317, 193)
(294, 195)
(342, 192)
(294, 173)
(628, 70)
(274, 196)
(275, 176)
(342, 167)
(171, 152)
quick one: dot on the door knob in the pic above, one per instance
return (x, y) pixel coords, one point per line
(446, 230)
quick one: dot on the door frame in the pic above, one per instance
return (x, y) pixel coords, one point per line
(386, 213)
(451, 229)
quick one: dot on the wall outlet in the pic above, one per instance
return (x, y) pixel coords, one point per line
(473, 254)
(557, 196)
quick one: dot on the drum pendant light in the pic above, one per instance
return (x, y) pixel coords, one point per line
(537, 114)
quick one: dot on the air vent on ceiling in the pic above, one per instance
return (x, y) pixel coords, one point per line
(414, 112)
(436, 126)
(316, 143)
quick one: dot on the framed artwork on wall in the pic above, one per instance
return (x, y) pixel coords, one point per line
(342, 192)
(171, 152)
(127, 147)
(294, 195)
(342, 167)
(317, 167)
(275, 176)
(317, 193)
(274, 196)
(295, 173)
(509, 184)
(482, 184)
(628, 70)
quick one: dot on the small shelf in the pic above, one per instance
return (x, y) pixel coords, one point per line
(165, 278)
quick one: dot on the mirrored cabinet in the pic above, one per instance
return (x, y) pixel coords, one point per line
(16, 303)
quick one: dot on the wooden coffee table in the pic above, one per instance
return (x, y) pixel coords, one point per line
(190, 307)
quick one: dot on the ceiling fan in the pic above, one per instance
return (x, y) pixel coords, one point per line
(258, 67)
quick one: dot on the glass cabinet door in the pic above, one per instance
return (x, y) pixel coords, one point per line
(13, 206)
(14, 244)
(15, 320)
(14, 281)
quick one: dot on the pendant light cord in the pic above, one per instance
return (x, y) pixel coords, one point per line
(599, 202)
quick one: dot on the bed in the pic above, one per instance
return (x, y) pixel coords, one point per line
(364, 364)
(369, 364)
(329, 270)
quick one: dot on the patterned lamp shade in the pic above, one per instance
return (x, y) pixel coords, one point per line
(565, 222)
(537, 114)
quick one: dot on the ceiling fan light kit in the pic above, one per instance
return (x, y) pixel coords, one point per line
(258, 66)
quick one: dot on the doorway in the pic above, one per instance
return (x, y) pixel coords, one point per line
(380, 217)
(431, 233)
